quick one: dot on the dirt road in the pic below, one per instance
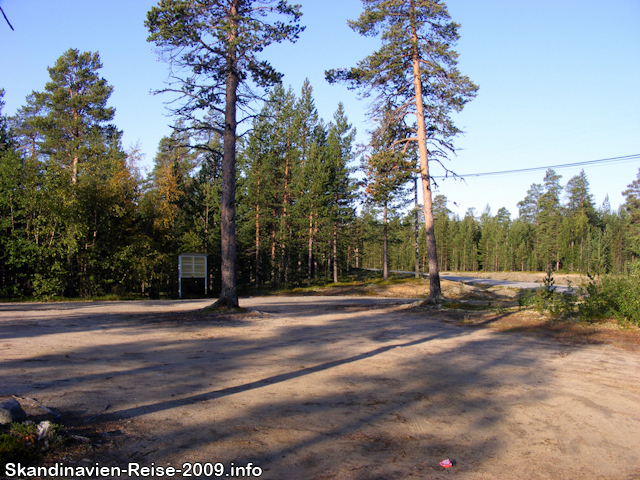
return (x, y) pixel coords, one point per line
(327, 388)
(504, 283)
(503, 279)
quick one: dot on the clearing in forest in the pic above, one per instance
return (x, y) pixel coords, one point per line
(324, 387)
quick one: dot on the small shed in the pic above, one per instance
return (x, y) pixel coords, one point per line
(192, 265)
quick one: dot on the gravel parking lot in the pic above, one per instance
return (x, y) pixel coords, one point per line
(326, 388)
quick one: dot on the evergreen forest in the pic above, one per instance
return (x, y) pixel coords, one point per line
(78, 219)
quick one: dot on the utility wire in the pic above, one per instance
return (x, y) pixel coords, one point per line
(5, 17)
(626, 158)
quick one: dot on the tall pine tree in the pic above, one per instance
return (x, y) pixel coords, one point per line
(341, 187)
(216, 43)
(414, 75)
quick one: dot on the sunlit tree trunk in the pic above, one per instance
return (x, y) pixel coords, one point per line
(385, 271)
(435, 292)
(416, 226)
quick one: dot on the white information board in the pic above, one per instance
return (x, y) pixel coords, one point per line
(192, 265)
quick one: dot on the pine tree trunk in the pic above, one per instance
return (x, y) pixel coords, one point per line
(416, 225)
(335, 252)
(284, 265)
(316, 269)
(435, 293)
(581, 251)
(330, 259)
(310, 265)
(229, 290)
(273, 250)
(206, 246)
(76, 135)
(258, 237)
(282, 276)
(385, 271)
(287, 263)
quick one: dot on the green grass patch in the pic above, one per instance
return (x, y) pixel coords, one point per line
(467, 306)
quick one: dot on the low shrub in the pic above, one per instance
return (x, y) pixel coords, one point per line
(600, 297)
(547, 299)
(26, 432)
(616, 296)
(14, 449)
(22, 445)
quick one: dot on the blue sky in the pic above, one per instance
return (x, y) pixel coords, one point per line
(558, 81)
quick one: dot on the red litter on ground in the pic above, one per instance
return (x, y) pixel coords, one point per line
(446, 463)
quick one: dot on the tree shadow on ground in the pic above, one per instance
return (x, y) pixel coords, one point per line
(325, 388)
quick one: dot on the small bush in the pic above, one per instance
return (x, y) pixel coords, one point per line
(26, 432)
(46, 287)
(601, 297)
(13, 449)
(547, 299)
(21, 444)
(616, 296)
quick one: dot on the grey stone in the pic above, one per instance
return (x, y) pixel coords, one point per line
(11, 411)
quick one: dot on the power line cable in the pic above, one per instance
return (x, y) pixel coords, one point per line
(5, 17)
(626, 158)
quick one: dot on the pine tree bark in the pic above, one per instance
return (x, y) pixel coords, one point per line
(258, 236)
(416, 226)
(335, 252)
(229, 290)
(310, 266)
(316, 269)
(435, 293)
(273, 249)
(385, 271)
(284, 253)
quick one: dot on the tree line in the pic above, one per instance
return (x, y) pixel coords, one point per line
(78, 218)
(274, 203)
(214, 45)
(558, 226)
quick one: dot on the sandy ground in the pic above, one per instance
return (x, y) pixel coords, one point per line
(325, 388)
